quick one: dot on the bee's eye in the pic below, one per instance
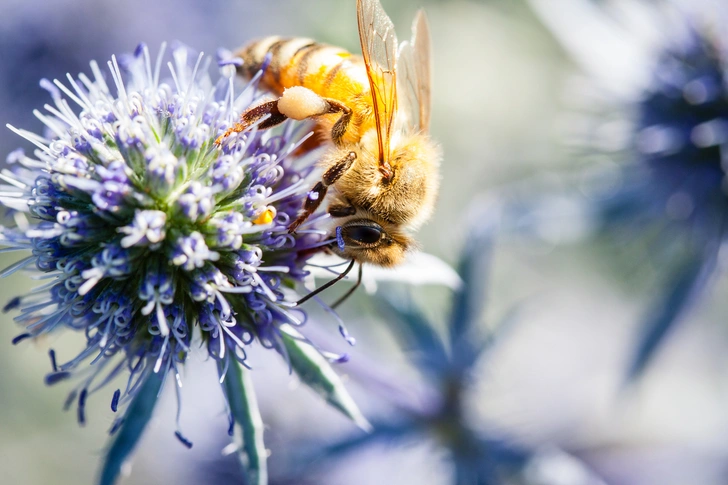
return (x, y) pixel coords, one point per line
(364, 234)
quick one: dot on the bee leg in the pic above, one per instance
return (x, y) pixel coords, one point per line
(351, 290)
(326, 285)
(386, 170)
(342, 210)
(318, 192)
(252, 116)
(301, 103)
(339, 128)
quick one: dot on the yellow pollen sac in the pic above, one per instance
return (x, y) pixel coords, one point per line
(265, 217)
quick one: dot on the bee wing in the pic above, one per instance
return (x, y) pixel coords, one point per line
(414, 65)
(379, 48)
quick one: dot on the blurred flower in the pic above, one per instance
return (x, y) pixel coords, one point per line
(442, 412)
(657, 104)
(145, 231)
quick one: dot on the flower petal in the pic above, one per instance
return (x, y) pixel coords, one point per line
(469, 301)
(384, 431)
(682, 290)
(316, 372)
(248, 423)
(135, 422)
(418, 269)
(430, 353)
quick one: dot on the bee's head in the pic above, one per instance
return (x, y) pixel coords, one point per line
(369, 241)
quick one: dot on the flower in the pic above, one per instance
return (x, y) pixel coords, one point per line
(657, 92)
(439, 413)
(148, 235)
(442, 411)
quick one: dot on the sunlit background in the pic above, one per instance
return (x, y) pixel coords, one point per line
(554, 383)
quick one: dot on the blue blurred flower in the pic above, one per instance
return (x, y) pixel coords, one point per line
(441, 412)
(148, 235)
(657, 101)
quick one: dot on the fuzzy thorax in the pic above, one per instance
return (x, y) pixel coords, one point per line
(396, 205)
(408, 198)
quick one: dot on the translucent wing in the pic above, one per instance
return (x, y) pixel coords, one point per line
(379, 48)
(415, 75)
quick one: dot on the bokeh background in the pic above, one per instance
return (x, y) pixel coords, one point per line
(552, 383)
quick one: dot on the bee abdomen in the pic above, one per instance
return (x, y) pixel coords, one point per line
(298, 61)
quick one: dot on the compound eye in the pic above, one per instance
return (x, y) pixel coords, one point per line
(365, 235)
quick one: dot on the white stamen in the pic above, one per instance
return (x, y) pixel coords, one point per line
(174, 76)
(237, 341)
(191, 84)
(268, 292)
(50, 123)
(98, 77)
(87, 104)
(31, 137)
(294, 146)
(280, 269)
(158, 364)
(119, 82)
(221, 339)
(230, 449)
(162, 320)
(8, 177)
(90, 282)
(158, 65)
(52, 110)
(147, 65)
(292, 189)
(236, 289)
(45, 233)
(68, 92)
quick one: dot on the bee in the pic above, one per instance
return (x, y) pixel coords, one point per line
(380, 170)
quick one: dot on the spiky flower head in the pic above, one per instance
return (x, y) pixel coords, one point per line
(681, 131)
(657, 105)
(148, 234)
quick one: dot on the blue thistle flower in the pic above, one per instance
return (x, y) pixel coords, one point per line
(441, 412)
(681, 126)
(150, 236)
(665, 120)
(448, 364)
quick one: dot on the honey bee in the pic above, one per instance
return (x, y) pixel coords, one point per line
(374, 112)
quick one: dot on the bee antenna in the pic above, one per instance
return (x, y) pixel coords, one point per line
(327, 285)
(351, 290)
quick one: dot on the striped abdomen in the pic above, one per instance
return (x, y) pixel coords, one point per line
(329, 71)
